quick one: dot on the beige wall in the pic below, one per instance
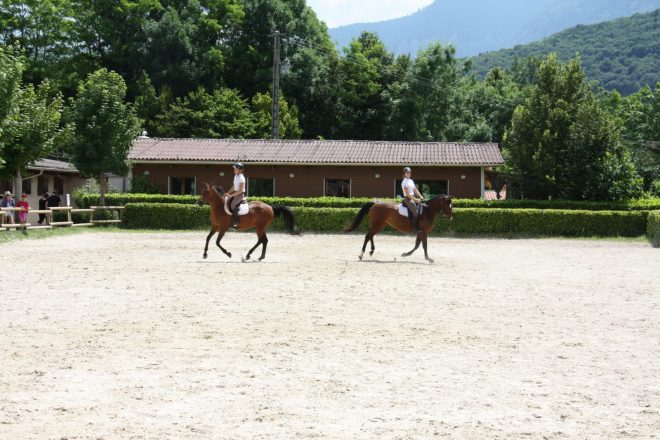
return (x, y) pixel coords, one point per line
(308, 181)
(70, 184)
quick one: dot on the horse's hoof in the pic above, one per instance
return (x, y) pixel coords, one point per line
(243, 260)
(247, 257)
(430, 260)
(205, 256)
(371, 253)
(360, 257)
(229, 254)
(405, 254)
(261, 259)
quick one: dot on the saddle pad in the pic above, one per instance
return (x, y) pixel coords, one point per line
(243, 208)
(403, 210)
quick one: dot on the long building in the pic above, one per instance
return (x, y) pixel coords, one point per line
(312, 168)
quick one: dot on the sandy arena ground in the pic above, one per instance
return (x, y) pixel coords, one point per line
(134, 336)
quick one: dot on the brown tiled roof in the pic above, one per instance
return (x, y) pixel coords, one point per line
(315, 152)
(52, 165)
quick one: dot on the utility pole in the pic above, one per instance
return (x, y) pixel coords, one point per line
(276, 84)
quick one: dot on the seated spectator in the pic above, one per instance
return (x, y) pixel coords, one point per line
(8, 202)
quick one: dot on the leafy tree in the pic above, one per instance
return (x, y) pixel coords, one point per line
(32, 130)
(262, 106)
(482, 110)
(43, 29)
(105, 127)
(563, 144)
(222, 114)
(364, 107)
(11, 70)
(639, 115)
(312, 55)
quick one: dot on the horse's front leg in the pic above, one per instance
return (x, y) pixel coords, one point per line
(417, 242)
(208, 238)
(217, 242)
(426, 255)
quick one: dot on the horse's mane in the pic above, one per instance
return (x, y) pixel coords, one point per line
(444, 196)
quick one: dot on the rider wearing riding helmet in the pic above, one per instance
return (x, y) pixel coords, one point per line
(237, 191)
(409, 193)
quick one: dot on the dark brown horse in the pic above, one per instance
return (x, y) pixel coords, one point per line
(383, 213)
(260, 216)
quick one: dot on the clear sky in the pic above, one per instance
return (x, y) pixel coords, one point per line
(340, 12)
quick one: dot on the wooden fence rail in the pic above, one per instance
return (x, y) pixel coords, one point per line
(48, 213)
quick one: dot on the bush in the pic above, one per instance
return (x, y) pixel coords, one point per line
(85, 200)
(653, 228)
(166, 216)
(466, 221)
(546, 222)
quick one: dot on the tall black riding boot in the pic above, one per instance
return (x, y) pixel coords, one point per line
(234, 218)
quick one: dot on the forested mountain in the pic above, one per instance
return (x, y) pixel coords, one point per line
(477, 26)
(622, 54)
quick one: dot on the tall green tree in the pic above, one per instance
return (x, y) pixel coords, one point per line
(427, 95)
(221, 114)
(105, 127)
(32, 130)
(11, 71)
(306, 43)
(364, 106)
(262, 106)
(639, 114)
(562, 143)
(43, 29)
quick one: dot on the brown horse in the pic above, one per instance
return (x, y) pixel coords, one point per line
(260, 216)
(383, 213)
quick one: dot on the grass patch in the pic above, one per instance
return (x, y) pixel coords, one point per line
(38, 234)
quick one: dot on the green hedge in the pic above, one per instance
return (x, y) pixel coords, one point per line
(86, 200)
(466, 221)
(165, 216)
(547, 222)
(653, 228)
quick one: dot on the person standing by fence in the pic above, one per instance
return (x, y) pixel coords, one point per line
(42, 206)
(54, 200)
(22, 215)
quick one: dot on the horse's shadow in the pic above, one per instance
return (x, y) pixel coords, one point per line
(395, 261)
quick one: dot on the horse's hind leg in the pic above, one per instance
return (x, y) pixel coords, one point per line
(369, 238)
(208, 238)
(217, 242)
(417, 242)
(262, 240)
(426, 255)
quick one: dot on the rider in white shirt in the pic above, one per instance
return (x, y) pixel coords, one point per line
(237, 191)
(409, 193)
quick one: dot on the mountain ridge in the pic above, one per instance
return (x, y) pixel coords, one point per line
(477, 26)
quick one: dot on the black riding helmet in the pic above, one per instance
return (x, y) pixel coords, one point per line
(238, 165)
(407, 169)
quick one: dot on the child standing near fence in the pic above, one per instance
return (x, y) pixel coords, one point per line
(22, 215)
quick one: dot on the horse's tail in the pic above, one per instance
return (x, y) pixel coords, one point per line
(358, 219)
(289, 219)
